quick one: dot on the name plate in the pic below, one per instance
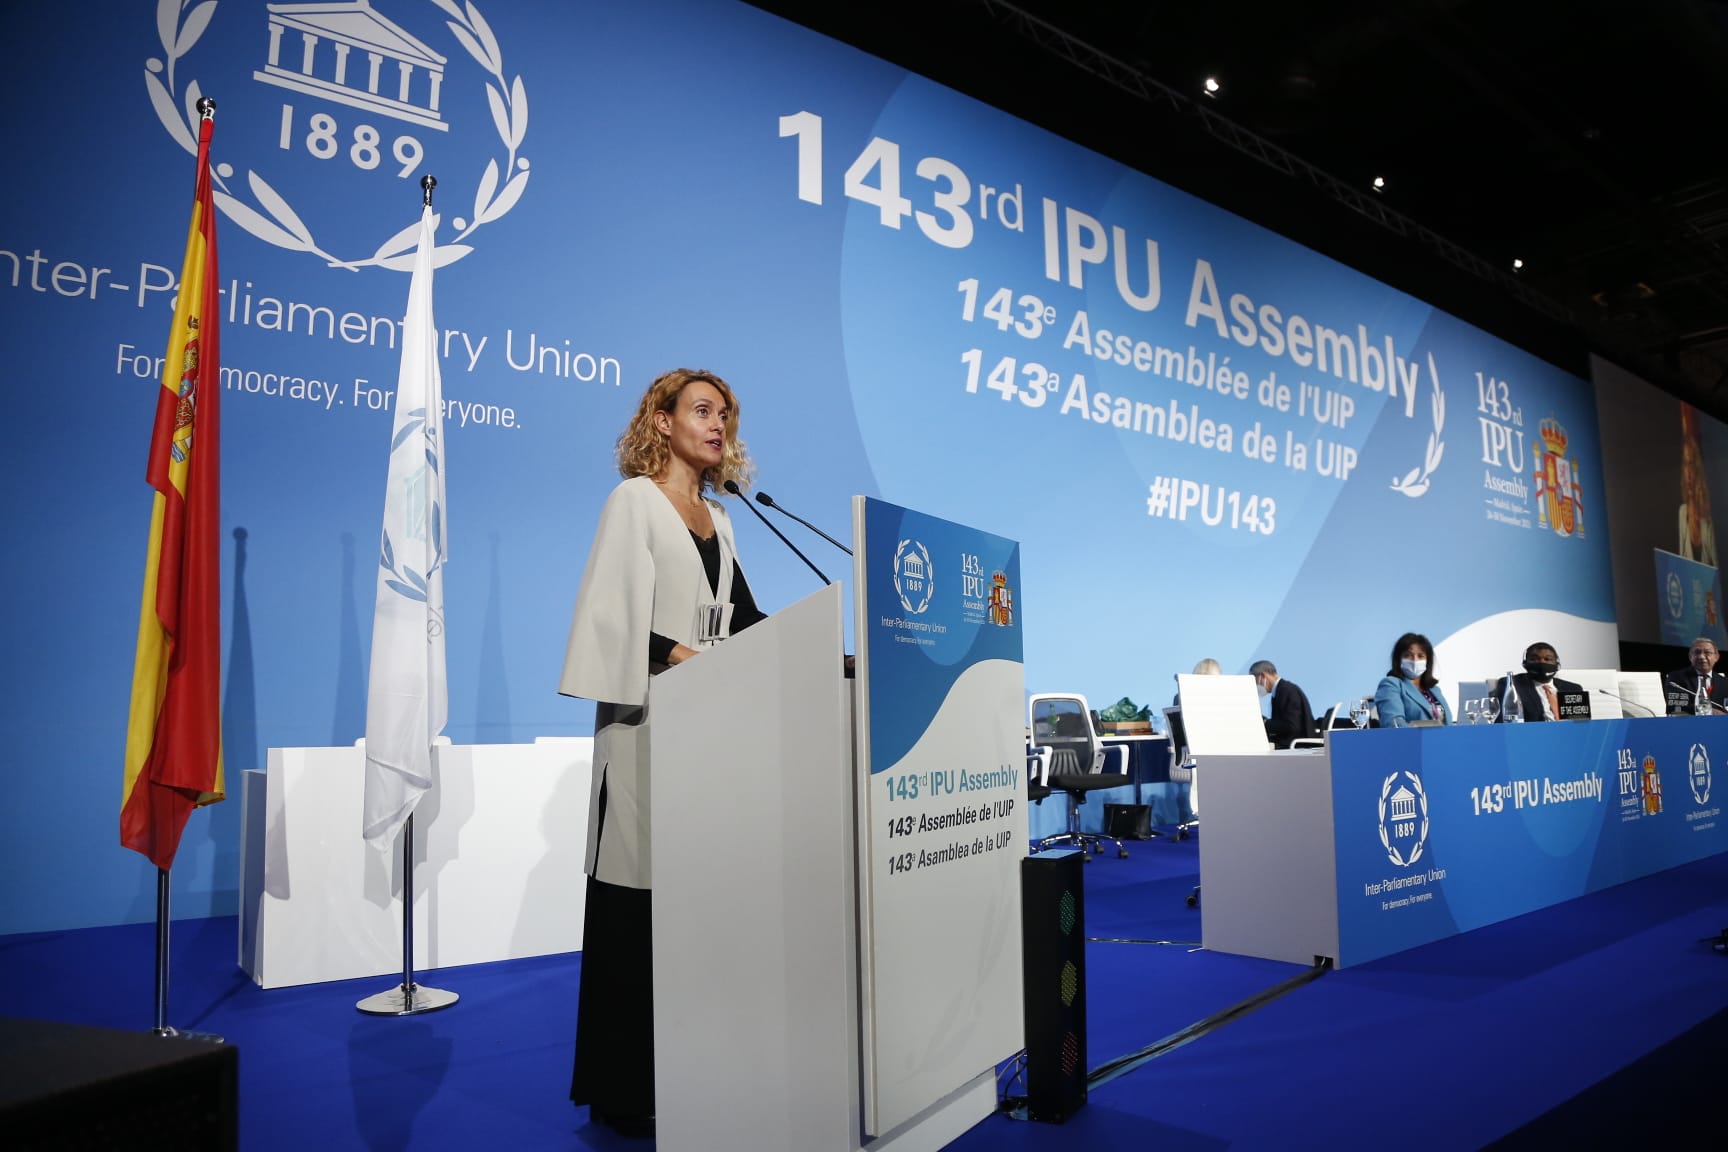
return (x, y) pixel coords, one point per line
(1575, 705)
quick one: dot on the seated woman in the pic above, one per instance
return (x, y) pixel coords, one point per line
(1409, 694)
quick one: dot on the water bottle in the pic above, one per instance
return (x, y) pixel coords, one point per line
(1511, 711)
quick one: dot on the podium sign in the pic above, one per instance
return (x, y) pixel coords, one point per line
(941, 772)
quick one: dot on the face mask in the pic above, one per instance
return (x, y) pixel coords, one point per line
(1265, 691)
(1413, 668)
(1541, 669)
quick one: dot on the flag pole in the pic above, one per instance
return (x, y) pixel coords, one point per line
(206, 109)
(409, 998)
(162, 1028)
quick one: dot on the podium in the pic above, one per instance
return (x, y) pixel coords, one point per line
(754, 945)
(809, 863)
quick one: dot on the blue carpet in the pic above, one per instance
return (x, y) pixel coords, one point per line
(1514, 1032)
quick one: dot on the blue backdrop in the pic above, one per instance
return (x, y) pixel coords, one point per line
(1208, 440)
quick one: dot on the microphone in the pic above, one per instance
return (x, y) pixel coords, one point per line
(765, 499)
(1643, 707)
(732, 487)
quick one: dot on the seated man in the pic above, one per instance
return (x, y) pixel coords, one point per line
(1537, 687)
(1291, 718)
(1697, 691)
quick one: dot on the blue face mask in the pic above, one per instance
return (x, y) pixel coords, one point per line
(1413, 668)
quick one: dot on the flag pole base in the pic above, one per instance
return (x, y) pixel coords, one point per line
(407, 1000)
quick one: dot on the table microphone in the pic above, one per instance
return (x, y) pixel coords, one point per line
(764, 498)
(732, 487)
(1701, 704)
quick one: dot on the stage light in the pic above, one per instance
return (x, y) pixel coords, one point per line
(1211, 86)
(1517, 264)
(1379, 183)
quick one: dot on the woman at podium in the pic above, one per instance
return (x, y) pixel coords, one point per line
(1408, 694)
(662, 583)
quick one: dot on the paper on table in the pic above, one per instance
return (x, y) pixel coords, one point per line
(1221, 715)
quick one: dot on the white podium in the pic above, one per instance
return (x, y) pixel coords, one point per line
(755, 969)
(794, 1006)
(498, 862)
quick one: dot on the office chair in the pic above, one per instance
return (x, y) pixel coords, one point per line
(1037, 774)
(1182, 771)
(1325, 723)
(1065, 739)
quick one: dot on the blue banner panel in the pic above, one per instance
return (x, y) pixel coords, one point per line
(1688, 600)
(1441, 830)
(939, 599)
(1209, 440)
(943, 766)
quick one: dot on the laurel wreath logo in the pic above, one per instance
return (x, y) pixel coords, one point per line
(1698, 773)
(1415, 482)
(1392, 852)
(923, 554)
(402, 579)
(274, 220)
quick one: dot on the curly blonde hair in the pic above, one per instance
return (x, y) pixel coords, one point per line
(643, 451)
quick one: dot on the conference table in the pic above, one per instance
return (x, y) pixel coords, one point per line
(1386, 839)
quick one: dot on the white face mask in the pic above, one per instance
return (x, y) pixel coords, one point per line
(1413, 668)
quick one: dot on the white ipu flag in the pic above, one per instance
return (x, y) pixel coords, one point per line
(407, 701)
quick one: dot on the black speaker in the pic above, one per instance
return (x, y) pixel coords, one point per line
(71, 1089)
(1053, 961)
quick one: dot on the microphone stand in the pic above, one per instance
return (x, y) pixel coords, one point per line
(1623, 700)
(765, 499)
(732, 487)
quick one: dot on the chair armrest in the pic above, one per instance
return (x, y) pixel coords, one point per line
(1119, 748)
(1038, 764)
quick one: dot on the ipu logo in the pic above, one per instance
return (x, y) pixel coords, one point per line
(1403, 818)
(364, 107)
(1676, 596)
(1698, 773)
(912, 576)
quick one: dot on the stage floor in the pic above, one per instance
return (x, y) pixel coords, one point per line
(1600, 1017)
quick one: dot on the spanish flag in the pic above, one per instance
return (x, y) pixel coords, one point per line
(174, 732)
